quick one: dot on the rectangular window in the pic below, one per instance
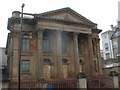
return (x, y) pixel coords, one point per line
(64, 45)
(106, 47)
(65, 42)
(45, 44)
(25, 43)
(80, 46)
(25, 66)
(47, 71)
(107, 55)
(65, 70)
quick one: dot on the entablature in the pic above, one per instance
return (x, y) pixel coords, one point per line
(63, 27)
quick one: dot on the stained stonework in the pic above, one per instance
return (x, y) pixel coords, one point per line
(59, 47)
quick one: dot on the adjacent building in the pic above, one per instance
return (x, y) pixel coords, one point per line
(107, 44)
(3, 68)
(54, 45)
(111, 62)
(3, 57)
(116, 42)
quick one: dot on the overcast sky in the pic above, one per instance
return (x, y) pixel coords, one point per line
(102, 12)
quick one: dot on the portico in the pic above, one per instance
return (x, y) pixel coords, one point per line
(56, 45)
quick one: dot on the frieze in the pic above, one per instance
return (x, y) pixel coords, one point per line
(56, 26)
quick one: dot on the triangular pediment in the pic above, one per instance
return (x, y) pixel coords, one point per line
(66, 17)
(66, 14)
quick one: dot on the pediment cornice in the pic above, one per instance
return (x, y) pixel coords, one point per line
(65, 15)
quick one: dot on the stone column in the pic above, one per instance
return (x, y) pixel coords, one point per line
(95, 54)
(76, 53)
(86, 57)
(59, 54)
(16, 54)
(40, 53)
(99, 57)
(91, 59)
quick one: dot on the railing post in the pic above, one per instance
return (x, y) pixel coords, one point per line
(115, 79)
(115, 82)
(82, 81)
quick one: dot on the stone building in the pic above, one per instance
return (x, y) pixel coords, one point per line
(3, 69)
(57, 44)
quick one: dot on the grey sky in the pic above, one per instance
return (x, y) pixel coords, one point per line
(102, 12)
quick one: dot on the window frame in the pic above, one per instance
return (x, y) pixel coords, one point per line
(106, 46)
(65, 42)
(46, 44)
(107, 56)
(25, 43)
(25, 66)
(47, 67)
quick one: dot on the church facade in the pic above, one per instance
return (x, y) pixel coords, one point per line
(57, 44)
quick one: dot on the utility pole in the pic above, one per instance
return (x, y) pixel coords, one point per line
(20, 47)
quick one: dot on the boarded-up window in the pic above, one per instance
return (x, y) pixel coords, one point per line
(65, 68)
(47, 68)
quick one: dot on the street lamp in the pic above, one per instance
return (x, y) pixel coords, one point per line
(20, 45)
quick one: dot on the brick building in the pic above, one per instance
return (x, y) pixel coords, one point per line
(55, 45)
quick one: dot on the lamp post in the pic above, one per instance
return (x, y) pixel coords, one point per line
(20, 45)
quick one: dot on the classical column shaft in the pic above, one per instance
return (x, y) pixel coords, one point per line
(16, 53)
(86, 57)
(76, 53)
(91, 59)
(59, 54)
(95, 54)
(40, 53)
(99, 58)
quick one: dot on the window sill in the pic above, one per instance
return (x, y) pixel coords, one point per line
(26, 53)
(48, 53)
(26, 74)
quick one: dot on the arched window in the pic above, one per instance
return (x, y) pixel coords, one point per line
(65, 68)
(47, 68)
(25, 43)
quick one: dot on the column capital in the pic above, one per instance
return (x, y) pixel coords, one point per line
(40, 29)
(40, 34)
(59, 31)
(90, 35)
(75, 33)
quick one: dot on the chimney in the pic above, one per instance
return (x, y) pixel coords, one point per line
(16, 14)
(111, 27)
